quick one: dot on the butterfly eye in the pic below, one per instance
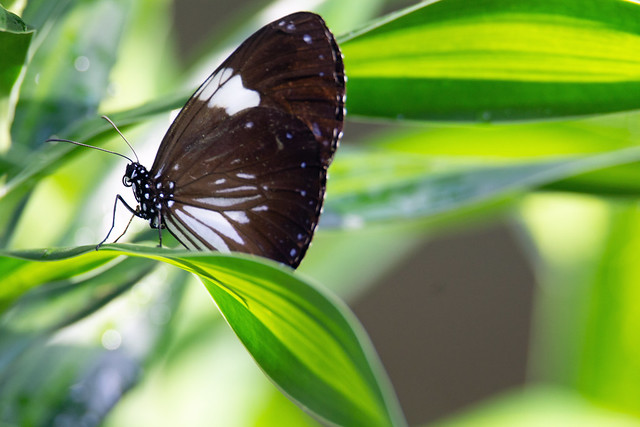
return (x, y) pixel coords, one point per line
(129, 174)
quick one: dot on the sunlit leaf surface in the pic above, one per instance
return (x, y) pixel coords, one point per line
(497, 60)
(307, 342)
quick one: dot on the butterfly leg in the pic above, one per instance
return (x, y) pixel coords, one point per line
(125, 229)
(159, 229)
(113, 220)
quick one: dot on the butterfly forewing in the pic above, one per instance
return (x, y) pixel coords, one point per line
(248, 154)
(293, 64)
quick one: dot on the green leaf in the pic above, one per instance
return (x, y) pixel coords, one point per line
(392, 186)
(21, 274)
(15, 39)
(496, 60)
(500, 144)
(68, 75)
(62, 302)
(306, 341)
(475, 146)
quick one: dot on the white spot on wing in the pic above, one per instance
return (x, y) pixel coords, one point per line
(208, 219)
(238, 216)
(209, 87)
(307, 39)
(203, 231)
(245, 175)
(225, 202)
(262, 208)
(227, 91)
(234, 189)
(225, 74)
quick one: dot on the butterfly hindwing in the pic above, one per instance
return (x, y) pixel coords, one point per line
(262, 196)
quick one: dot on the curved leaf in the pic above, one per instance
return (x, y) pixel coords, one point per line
(497, 60)
(305, 341)
(392, 186)
(15, 39)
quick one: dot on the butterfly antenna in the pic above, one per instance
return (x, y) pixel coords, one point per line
(125, 139)
(89, 146)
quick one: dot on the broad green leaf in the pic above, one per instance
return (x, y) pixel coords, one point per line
(372, 187)
(61, 302)
(15, 39)
(622, 180)
(474, 146)
(21, 275)
(507, 143)
(496, 60)
(342, 16)
(306, 341)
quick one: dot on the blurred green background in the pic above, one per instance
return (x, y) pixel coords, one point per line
(494, 265)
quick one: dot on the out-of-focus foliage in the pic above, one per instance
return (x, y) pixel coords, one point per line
(106, 337)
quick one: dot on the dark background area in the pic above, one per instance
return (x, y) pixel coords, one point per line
(451, 323)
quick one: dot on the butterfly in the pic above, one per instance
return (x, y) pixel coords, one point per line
(244, 165)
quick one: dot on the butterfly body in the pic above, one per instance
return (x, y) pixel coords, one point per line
(244, 165)
(152, 196)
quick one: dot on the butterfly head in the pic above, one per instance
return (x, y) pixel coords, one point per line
(134, 175)
(137, 177)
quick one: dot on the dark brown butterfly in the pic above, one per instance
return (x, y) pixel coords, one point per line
(244, 165)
